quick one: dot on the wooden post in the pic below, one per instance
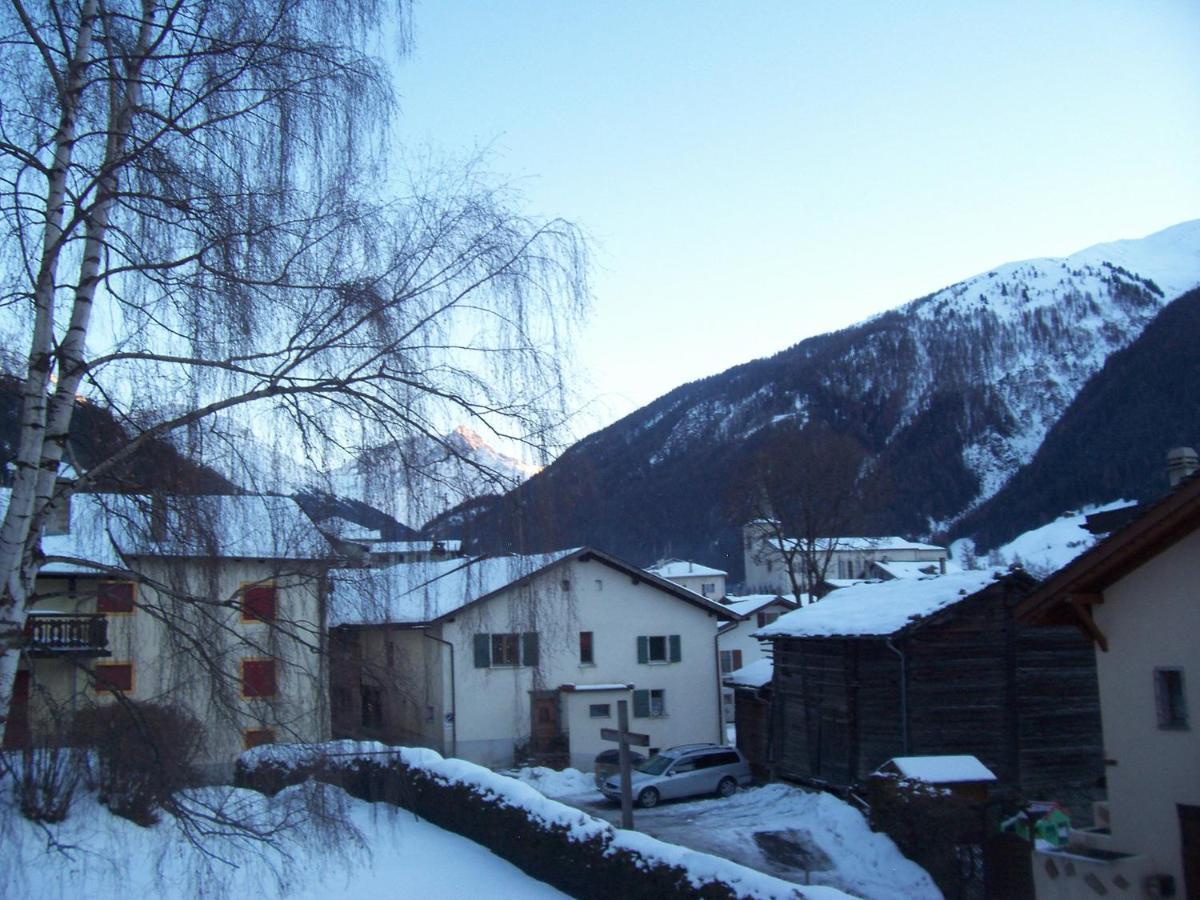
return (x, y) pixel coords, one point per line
(624, 737)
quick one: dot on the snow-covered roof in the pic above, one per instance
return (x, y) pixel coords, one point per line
(874, 545)
(416, 546)
(755, 674)
(749, 603)
(941, 769)
(246, 526)
(349, 531)
(879, 609)
(410, 593)
(680, 568)
(910, 569)
(418, 592)
(104, 527)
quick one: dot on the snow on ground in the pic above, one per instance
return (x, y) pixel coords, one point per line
(801, 836)
(1048, 548)
(555, 784)
(96, 854)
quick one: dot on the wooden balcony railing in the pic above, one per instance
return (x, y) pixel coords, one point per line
(81, 635)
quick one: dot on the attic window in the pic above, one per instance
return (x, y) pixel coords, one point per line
(1169, 699)
(258, 603)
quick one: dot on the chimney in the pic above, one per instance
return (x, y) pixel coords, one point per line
(1182, 463)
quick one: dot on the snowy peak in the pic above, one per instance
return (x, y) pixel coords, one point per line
(1171, 257)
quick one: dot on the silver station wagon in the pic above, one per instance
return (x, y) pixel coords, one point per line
(688, 770)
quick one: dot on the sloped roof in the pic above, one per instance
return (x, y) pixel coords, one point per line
(911, 568)
(880, 609)
(949, 769)
(416, 593)
(755, 674)
(1068, 593)
(750, 603)
(681, 568)
(104, 528)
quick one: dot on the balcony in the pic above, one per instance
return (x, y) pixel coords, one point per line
(57, 634)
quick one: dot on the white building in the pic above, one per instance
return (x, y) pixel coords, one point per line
(210, 603)
(486, 658)
(849, 558)
(1135, 594)
(736, 642)
(705, 581)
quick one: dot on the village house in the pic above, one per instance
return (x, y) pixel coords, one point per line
(135, 589)
(849, 559)
(1135, 596)
(736, 642)
(494, 659)
(934, 666)
(705, 581)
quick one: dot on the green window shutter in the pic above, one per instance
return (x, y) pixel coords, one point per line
(676, 649)
(643, 649)
(529, 648)
(641, 703)
(483, 651)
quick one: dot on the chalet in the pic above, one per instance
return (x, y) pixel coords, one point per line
(933, 666)
(1135, 596)
(704, 580)
(135, 588)
(850, 559)
(486, 658)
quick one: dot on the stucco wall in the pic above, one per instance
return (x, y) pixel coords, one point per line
(164, 659)
(1151, 619)
(493, 707)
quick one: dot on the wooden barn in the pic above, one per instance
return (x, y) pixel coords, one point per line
(938, 665)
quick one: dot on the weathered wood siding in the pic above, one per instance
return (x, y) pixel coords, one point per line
(751, 716)
(1022, 699)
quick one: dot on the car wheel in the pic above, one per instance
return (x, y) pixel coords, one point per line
(648, 798)
(727, 787)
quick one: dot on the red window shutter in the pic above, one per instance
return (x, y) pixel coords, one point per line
(256, 737)
(762, 619)
(737, 659)
(258, 678)
(114, 597)
(258, 604)
(113, 676)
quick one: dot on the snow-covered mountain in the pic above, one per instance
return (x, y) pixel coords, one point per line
(949, 394)
(420, 478)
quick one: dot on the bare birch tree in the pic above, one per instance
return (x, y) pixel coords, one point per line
(202, 230)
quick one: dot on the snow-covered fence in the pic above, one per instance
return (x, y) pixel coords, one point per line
(577, 853)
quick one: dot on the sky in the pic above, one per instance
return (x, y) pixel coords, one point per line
(753, 174)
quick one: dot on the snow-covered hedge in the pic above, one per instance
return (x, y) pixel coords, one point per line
(577, 853)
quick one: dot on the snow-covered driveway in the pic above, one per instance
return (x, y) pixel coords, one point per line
(801, 836)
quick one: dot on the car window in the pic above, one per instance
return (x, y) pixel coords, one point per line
(684, 765)
(656, 765)
(726, 758)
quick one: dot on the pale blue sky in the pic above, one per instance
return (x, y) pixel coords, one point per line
(756, 173)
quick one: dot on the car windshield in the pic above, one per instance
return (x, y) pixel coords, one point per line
(656, 765)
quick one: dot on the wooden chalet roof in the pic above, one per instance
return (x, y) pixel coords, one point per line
(1071, 592)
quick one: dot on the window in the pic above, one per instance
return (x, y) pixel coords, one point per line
(586, 656)
(1169, 699)
(111, 677)
(258, 678)
(511, 649)
(708, 588)
(731, 661)
(766, 618)
(600, 711)
(256, 737)
(566, 584)
(258, 603)
(599, 584)
(372, 706)
(659, 648)
(506, 650)
(114, 597)
(649, 704)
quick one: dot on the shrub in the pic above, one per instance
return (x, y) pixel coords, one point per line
(143, 752)
(44, 781)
